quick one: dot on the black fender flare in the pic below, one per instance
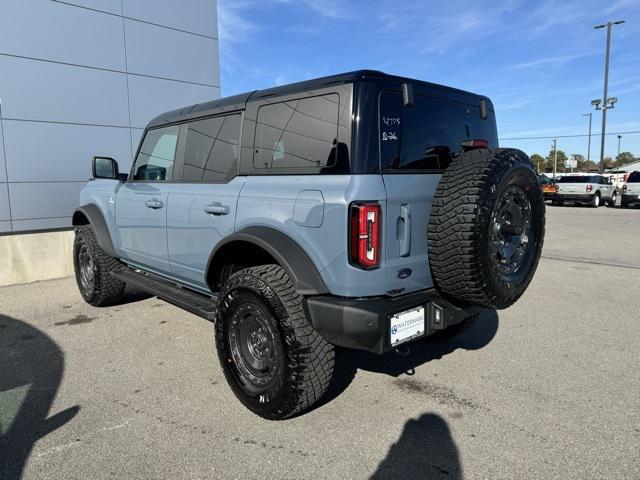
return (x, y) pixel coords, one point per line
(286, 251)
(95, 218)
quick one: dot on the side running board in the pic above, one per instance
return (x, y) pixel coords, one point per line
(196, 303)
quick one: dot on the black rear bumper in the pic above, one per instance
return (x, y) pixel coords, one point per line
(364, 323)
(575, 197)
(630, 199)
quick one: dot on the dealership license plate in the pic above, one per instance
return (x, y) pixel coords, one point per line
(406, 325)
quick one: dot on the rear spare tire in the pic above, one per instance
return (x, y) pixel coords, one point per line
(486, 228)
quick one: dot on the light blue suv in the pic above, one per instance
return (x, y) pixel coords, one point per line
(360, 210)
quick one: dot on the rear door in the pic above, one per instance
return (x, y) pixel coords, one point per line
(141, 202)
(202, 204)
(416, 144)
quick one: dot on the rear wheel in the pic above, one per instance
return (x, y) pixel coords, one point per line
(93, 270)
(486, 228)
(275, 362)
(595, 201)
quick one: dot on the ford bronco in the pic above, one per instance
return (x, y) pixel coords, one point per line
(360, 210)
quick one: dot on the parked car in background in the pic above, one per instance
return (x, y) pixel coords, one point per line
(549, 187)
(586, 189)
(631, 190)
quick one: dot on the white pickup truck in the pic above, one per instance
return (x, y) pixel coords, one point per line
(586, 189)
(631, 190)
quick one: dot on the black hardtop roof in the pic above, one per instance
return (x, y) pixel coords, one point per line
(238, 102)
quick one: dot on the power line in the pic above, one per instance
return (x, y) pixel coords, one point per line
(631, 132)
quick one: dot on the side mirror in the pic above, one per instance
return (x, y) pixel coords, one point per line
(105, 167)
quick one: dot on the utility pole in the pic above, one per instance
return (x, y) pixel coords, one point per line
(606, 103)
(555, 158)
(589, 144)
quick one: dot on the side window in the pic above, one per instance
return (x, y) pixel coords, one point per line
(157, 153)
(297, 134)
(211, 150)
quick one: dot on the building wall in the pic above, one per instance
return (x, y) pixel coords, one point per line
(82, 77)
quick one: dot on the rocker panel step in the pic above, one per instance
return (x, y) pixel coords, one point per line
(189, 300)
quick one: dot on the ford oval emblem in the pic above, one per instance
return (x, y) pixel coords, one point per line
(404, 273)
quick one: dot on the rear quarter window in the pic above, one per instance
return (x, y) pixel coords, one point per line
(428, 134)
(297, 134)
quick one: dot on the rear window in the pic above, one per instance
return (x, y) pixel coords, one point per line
(578, 179)
(544, 180)
(634, 177)
(427, 135)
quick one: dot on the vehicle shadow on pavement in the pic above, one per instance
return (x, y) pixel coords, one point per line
(133, 294)
(348, 362)
(31, 366)
(425, 450)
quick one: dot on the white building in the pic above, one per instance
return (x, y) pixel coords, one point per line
(81, 78)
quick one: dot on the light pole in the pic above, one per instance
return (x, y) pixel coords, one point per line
(555, 158)
(589, 145)
(606, 101)
(619, 138)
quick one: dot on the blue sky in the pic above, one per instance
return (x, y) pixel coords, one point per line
(541, 62)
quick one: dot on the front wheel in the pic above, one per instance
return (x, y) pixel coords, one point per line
(612, 201)
(93, 268)
(274, 361)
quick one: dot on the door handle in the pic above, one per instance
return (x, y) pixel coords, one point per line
(404, 230)
(216, 208)
(154, 203)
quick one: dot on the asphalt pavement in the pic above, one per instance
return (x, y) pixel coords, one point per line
(549, 388)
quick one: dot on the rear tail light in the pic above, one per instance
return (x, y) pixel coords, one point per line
(365, 244)
(589, 188)
(624, 188)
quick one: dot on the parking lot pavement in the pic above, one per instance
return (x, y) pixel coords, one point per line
(546, 389)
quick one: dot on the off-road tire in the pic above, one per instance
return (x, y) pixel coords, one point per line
(104, 289)
(460, 227)
(455, 330)
(304, 359)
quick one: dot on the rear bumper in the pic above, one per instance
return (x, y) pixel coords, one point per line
(364, 323)
(629, 199)
(575, 197)
(549, 195)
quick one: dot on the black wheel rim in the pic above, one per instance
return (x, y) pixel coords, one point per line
(511, 233)
(86, 267)
(252, 342)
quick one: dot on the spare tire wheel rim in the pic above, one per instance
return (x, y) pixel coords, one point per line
(511, 231)
(253, 347)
